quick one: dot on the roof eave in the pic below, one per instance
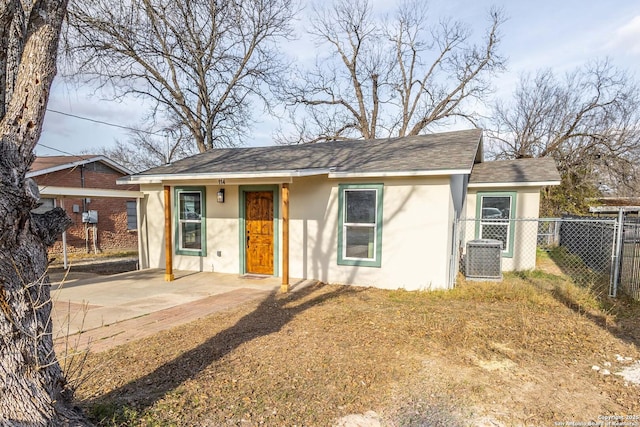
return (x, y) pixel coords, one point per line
(80, 192)
(386, 174)
(513, 184)
(81, 162)
(160, 178)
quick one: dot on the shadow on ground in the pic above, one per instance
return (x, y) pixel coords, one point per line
(274, 312)
(618, 316)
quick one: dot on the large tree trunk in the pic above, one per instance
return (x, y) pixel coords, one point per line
(33, 390)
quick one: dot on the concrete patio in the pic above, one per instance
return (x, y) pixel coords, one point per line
(104, 311)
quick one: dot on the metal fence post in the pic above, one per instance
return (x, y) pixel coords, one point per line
(617, 252)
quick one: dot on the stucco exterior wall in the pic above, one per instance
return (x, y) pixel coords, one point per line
(222, 228)
(525, 232)
(153, 225)
(416, 233)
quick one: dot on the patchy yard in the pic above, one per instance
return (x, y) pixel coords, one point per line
(90, 265)
(521, 352)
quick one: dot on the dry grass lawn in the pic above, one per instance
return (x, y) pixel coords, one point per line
(519, 352)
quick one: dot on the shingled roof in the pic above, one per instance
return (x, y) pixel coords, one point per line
(48, 164)
(542, 170)
(450, 152)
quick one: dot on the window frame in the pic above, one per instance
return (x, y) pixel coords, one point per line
(132, 215)
(179, 250)
(508, 251)
(376, 261)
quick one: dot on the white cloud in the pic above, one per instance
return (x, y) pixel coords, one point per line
(627, 37)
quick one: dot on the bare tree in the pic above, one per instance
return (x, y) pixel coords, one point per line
(392, 77)
(146, 148)
(588, 121)
(203, 62)
(33, 391)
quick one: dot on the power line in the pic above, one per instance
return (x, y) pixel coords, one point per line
(103, 122)
(60, 151)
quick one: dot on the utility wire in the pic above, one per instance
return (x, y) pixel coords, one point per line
(60, 151)
(103, 122)
(75, 116)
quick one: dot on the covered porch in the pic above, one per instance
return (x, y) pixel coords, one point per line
(225, 225)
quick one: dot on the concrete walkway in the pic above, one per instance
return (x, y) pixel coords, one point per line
(102, 312)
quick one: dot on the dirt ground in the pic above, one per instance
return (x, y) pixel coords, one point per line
(86, 266)
(534, 350)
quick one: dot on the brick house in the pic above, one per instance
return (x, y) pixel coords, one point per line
(104, 215)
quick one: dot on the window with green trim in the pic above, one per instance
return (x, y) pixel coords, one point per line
(496, 212)
(190, 221)
(360, 225)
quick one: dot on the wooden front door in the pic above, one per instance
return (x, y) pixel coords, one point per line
(259, 231)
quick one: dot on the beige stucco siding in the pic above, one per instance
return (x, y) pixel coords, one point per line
(525, 232)
(222, 224)
(415, 233)
(153, 235)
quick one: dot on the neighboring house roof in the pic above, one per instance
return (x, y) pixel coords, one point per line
(539, 171)
(48, 164)
(616, 201)
(436, 154)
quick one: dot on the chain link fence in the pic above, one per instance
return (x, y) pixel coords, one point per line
(582, 248)
(629, 281)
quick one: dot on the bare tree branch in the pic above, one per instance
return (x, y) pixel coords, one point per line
(389, 78)
(589, 122)
(145, 150)
(202, 62)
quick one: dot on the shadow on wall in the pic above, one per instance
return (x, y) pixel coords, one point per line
(324, 246)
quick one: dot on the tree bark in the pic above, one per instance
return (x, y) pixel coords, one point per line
(33, 390)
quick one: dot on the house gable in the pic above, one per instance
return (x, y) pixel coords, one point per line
(80, 184)
(49, 164)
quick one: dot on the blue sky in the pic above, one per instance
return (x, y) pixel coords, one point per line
(560, 35)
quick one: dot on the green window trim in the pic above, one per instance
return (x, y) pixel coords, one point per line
(243, 189)
(508, 251)
(376, 260)
(202, 252)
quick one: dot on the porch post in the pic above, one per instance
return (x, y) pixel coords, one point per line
(141, 254)
(168, 249)
(285, 238)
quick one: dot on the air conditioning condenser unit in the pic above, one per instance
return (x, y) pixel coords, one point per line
(484, 260)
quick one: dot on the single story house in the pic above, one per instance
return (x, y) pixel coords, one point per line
(369, 212)
(104, 214)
